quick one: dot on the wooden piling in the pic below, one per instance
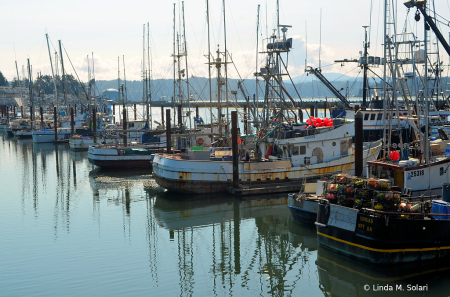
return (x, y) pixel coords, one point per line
(180, 119)
(234, 146)
(94, 124)
(72, 122)
(311, 110)
(41, 113)
(245, 120)
(300, 115)
(14, 111)
(168, 132)
(114, 109)
(21, 112)
(55, 123)
(359, 144)
(162, 115)
(135, 112)
(124, 123)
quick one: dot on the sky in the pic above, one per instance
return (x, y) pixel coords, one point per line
(112, 30)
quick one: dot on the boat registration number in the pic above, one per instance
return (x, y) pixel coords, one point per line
(310, 136)
(416, 173)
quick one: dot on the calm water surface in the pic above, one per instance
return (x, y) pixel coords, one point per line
(69, 229)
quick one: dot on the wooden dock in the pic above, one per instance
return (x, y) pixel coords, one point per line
(268, 188)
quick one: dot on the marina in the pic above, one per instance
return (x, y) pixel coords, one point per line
(215, 170)
(76, 229)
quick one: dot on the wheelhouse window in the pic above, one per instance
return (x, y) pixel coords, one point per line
(372, 117)
(379, 116)
(366, 117)
(303, 150)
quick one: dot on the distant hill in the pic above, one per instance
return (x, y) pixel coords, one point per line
(307, 88)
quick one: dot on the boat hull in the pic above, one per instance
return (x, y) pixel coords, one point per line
(49, 136)
(201, 177)
(123, 164)
(375, 239)
(304, 211)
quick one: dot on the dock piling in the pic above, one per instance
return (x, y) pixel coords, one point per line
(94, 124)
(234, 141)
(55, 123)
(124, 123)
(168, 132)
(359, 144)
(162, 115)
(72, 120)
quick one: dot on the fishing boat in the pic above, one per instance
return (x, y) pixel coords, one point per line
(374, 222)
(286, 150)
(303, 205)
(419, 164)
(121, 156)
(16, 125)
(311, 153)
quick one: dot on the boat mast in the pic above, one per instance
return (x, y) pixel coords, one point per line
(18, 82)
(187, 72)
(256, 65)
(149, 93)
(226, 54)
(174, 68)
(51, 66)
(209, 69)
(426, 146)
(144, 80)
(118, 84)
(385, 55)
(366, 46)
(30, 87)
(125, 95)
(63, 73)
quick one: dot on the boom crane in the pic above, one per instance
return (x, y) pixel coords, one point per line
(420, 4)
(318, 73)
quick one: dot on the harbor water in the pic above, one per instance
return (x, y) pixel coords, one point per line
(71, 229)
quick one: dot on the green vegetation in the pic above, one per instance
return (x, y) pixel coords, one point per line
(3, 81)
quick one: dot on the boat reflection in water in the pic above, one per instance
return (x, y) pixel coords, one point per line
(341, 276)
(251, 245)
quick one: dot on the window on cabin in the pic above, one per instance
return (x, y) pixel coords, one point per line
(366, 117)
(303, 150)
(295, 151)
(372, 117)
(307, 160)
(344, 147)
(379, 116)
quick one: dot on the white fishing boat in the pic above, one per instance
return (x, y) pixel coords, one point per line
(47, 135)
(311, 153)
(124, 157)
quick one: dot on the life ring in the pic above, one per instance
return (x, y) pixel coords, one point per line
(200, 141)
